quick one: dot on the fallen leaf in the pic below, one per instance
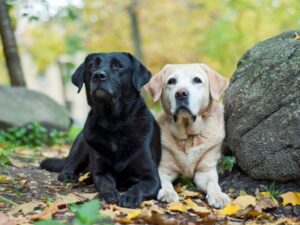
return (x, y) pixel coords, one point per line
(244, 201)
(60, 203)
(84, 177)
(88, 196)
(177, 206)
(230, 209)
(71, 198)
(257, 214)
(156, 208)
(122, 210)
(265, 201)
(129, 217)
(147, 203)
(17, 163)
(4, 179)
(27, 207)
(134, 214)
(5, 220)
(189, 194)
(110, 213)
(292, 198)
(23, 182)
(158, 219)
(178, 188)
(49, 211)
(297, 36)
(200, 210)
(189, 202)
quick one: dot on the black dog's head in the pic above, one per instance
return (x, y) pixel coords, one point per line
(110, 75)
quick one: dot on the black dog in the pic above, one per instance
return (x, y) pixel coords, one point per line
(120, 142)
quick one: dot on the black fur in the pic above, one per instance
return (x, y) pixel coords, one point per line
(120, 142)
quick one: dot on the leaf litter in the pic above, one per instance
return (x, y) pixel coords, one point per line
(38, 195)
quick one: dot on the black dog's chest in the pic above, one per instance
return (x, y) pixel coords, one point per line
(117, 141)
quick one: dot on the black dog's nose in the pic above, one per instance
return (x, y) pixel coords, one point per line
(100, 75)
(182, 94)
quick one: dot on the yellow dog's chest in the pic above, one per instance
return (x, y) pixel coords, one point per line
(187, 154)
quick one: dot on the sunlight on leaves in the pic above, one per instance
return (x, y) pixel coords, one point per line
(292, 198)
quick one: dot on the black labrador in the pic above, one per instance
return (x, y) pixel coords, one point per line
(120, 142)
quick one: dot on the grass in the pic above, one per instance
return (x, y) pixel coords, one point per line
(272, 189)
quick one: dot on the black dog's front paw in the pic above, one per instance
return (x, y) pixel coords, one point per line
(110, 197)
(67, 176)
(130, 200)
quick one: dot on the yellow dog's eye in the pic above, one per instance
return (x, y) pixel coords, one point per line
(197, 80)
(172, 81)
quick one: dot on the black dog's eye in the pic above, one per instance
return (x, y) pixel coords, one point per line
(172, 81)
(117, 65)
(197, 80)
(93, 66)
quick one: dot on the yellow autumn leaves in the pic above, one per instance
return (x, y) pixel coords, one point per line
(292, 198)
(191, 204)
(264, 200)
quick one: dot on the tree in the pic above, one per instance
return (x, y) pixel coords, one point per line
(12, 58)
(135, 29)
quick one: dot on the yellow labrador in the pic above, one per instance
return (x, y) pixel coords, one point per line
(192, 128)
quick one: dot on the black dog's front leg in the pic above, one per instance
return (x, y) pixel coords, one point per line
(103, 179)
(77, 161)
(106, 186)
(147, 186)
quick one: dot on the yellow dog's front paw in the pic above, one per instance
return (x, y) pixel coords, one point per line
(167, 195)
(217, 199)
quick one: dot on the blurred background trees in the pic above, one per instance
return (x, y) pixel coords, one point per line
(60, 32)
(10, 47)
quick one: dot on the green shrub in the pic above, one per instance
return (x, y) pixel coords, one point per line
(32, 135)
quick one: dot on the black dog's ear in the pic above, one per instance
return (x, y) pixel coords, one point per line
(141, 75)
(78, 77)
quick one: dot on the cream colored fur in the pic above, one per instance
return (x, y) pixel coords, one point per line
(190, 147)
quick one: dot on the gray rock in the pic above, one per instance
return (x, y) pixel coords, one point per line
(262, 109)
(20, 106)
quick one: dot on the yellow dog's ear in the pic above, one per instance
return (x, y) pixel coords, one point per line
(217, 83)
(154, 87)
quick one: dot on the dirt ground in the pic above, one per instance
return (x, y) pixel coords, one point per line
(27, 182)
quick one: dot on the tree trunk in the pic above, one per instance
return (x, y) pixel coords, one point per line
(10, 48)
(135, 29)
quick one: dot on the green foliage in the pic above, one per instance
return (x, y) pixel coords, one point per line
(228, 162)
(49, 222)
(272, 189)
(4, 157)
(73, 132)
(33, 135)
(86, 214)
(186, 182)
(7, 200)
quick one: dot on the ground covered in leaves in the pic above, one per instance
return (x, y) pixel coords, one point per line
(29, 194)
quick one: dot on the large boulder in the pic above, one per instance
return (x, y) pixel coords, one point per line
(20, 106)
(262, 109)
